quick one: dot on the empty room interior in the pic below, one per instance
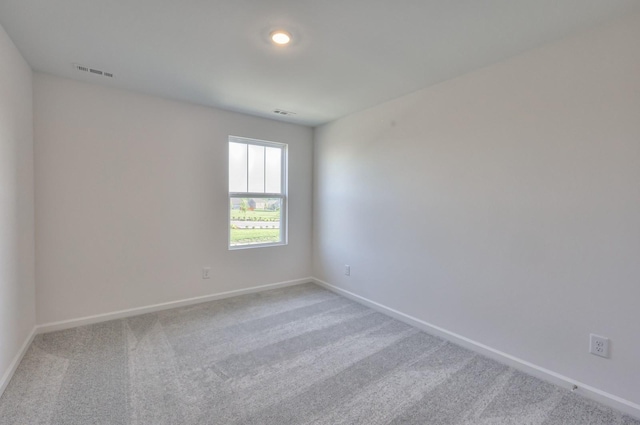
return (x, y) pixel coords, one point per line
(319, 212)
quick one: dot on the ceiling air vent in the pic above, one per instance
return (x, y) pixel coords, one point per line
(282, 112)
(92, 70)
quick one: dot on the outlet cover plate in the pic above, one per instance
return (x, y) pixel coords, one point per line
(206, 272)
(599, 345)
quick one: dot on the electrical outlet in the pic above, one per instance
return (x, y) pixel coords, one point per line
(599, 345)
(206, 272)
(347, 270)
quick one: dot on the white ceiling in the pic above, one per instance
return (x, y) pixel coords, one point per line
(347, 55)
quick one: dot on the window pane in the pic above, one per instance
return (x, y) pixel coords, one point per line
(273, 172)
(255, 221)
(256, 169)
(237, 167)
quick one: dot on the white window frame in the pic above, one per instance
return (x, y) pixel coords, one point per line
(282, 196)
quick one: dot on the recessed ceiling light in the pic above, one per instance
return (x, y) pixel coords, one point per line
(280, 37)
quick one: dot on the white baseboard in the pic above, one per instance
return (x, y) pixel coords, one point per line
(590, 392)
(4, 381)
(88, 320)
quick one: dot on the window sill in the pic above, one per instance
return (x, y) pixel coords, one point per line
(256, 245)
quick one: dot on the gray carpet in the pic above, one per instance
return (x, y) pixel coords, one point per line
(299, 355)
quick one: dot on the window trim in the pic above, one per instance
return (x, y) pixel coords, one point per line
(283, 196)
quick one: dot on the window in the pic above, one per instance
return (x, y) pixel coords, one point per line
(257, 193)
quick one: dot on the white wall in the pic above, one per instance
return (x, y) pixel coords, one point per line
(503, 206)
(131, 194)
(17, 287)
